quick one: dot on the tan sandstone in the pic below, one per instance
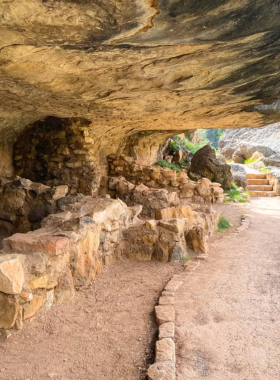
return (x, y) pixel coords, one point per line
(165, 350)
(166, 330)
(162, 371)
(164, 313)
(11, 274)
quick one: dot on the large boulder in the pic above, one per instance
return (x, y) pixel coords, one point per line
(239, 175)
(205, 164)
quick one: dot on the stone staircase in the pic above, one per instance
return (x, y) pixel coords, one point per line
(259, 186)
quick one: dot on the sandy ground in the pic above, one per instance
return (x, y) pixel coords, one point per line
(228, 312)
(227, 315)
(106, 333)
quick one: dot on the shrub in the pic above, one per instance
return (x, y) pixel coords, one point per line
(249, 161)
(223, 224)
(193, 148)
(174, 146)
(165, 164)
(234, 194)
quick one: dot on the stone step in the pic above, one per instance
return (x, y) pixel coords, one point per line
(258, 181)
(256, 176)
(259, 188)
(262, 193)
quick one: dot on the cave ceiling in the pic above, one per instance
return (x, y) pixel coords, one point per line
(140, 65)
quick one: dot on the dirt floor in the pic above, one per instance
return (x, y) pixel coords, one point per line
(106, 333)
(228, 324)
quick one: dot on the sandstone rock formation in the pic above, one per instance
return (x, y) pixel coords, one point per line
(241, 144)
(205, 164)
(90, 93)
(155, 67)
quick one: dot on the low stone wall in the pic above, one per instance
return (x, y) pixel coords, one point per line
(23, 204)
(165, 358)
(45, 266)
(274, 180)
(202, 191)
(72, 237)
(169, 237)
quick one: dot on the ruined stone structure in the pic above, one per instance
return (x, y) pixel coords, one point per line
(72, 237)
(202, 191)
(89, 96)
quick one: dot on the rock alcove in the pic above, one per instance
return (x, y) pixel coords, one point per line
(118, 81)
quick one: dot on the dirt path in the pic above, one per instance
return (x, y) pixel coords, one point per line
(104, 334)
(228, 313)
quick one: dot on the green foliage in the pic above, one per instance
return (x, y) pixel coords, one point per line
(174, 146)
(165, 164)
(186, 259)
(265, 170)
(234, 195)
(214, 135)
(203, 137)
(249, 161)
(223, 224)
(193, 148)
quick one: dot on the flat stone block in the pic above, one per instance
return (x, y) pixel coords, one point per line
(165, 350)
(173, 285)
(168, 294)
(11, 274)
(165, 300)
(164, 313)
(37, 242)
(166, 330)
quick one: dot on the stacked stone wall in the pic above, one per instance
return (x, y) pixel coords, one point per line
(58, 152)
(77, 235)
(46, 266)
(202, 191)
(274, 179)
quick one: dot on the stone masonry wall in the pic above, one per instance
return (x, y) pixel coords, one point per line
(24, 204)
(59, 152)
(45, 266)
(202, 191)
(76, 235)
(274, 179)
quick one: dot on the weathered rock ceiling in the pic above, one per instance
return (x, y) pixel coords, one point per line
(137, 65)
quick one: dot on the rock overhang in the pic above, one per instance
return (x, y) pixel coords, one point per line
(146, 65)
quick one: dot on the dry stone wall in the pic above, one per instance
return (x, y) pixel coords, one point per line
(75, 235)
(57, 152)
(169, 236)
(23, 204)
(45, 266)
(274, 179)
(202, 191)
